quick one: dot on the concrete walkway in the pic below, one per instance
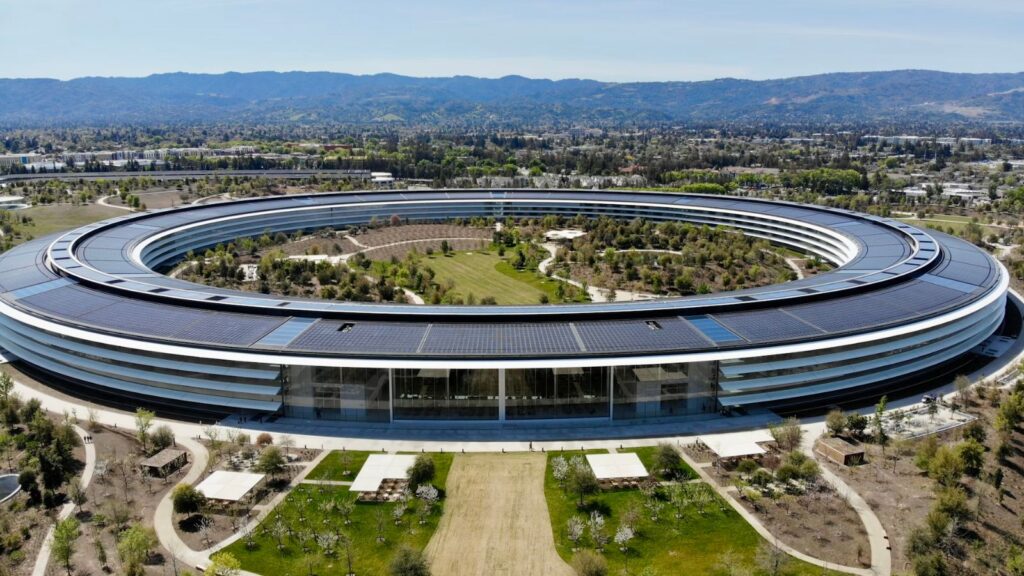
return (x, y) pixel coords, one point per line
(726, 492)
(102, 201)
(163, 517)
(43, 558)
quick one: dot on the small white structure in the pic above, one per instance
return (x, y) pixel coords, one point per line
(379, 467)
(737, 444)
(566, 234)
(227, 486)
(616, 466)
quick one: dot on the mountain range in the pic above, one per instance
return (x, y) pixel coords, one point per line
(312, 97)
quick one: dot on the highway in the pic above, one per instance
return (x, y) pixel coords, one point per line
(183, 174)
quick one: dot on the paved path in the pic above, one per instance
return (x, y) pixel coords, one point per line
(596, 293)
(881, 552)
(726, 492)
(43, 558)
(163, 517)
(495, 519)
(102, 201)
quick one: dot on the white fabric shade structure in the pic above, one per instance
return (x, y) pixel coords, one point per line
(379, 467)
(229, 486)
(737, 444)
(614, 466)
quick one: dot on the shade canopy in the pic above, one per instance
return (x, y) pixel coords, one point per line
(737, 444)
(612, 466)
(379, 467)
(229, 486)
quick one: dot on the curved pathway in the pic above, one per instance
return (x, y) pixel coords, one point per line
(726, 492)
(43, 558)
(102, 201)
(163, 517)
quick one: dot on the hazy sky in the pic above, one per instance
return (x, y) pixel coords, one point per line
(604, 40)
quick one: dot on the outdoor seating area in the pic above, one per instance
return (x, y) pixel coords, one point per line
(731, 448)
(226, 488)
(383, 477)
(618, 471)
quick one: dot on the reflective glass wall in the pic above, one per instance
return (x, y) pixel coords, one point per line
(442, 394)
(331, 393)
(556, 393)
(663, 390)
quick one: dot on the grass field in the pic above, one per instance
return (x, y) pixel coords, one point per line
(942, 222)
(486, 274)
(308, 510)
(60, 217)
(335, 464)
(694, 544)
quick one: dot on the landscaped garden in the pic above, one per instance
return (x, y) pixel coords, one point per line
(661, 528)
(325, 529)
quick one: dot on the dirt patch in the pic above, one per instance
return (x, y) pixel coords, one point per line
(496, 519)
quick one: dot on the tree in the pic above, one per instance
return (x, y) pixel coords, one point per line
(856, 423)
(65, 534)
(878, 422)
(574, 528)
(223, 564)
(422, 471)
(409, 562)
(945, 466)
(271, 461)
(134, 545)
(588, 563)
(143, 422)
(77, 495)
(972, 457)
(581, 480)
(622, 537)
(668, 460)
(187, 500)
(835, 422)
(6, 387)
(787, 434)
(963, 387)
(264, 439)
(771, 559)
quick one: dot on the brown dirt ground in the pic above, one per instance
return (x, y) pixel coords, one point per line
(496, 519)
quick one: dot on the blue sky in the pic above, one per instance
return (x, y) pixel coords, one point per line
(643, 40)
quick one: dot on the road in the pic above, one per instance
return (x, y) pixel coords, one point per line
(182, 174)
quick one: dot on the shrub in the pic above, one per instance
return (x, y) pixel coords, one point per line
(409, 562)
(835, 422)
(972, 457)
(264, 439)
(974, 430)
(926, 450)
(945, 467)
(856, 423)
(746, 466)
(587, 563)
(162, 437)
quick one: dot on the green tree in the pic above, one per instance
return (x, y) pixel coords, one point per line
(856, 423)
(668, 460)
(65, 535)
(187, 500)
(271, 461)
(581, 480)
(945, 466)
(787, 434)
(422, 471)
(223, 564)
(6, 387)
(878, 422)
(972, 457)
(409, 562)
(143, 422)
(134, 546)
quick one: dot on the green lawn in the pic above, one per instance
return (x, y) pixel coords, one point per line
(484, 274)
(334, 465)
(648, 454)
(308, 510)
(693, 544)
(59, 217)
(942, 222)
